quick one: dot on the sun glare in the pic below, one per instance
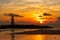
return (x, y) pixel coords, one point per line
(41, 21)
(40, 37)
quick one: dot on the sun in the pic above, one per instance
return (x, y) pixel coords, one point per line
(38, 18)
(41, 21)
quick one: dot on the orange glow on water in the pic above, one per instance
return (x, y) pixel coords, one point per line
(30, 37)
(40, 37)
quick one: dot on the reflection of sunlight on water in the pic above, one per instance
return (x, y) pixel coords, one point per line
(21, 37)
(39, 37)
(29, 37)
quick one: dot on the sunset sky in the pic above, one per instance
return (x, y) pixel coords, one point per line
(30, 9)
(32, 12)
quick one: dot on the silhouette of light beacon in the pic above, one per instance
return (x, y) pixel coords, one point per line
(12, 17)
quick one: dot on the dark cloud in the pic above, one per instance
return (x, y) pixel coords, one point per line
(47, 14)
(11, 14)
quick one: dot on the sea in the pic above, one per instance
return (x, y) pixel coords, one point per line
(6, 34)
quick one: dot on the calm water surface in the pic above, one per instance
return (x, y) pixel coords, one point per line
(5, 35)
